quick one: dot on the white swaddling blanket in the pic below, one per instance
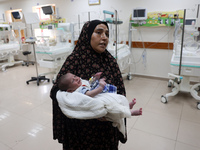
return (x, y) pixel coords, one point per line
(113, 107)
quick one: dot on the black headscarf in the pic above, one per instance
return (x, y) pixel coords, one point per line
(85, 62)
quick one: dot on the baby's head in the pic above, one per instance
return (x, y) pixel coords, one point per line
(69, 82)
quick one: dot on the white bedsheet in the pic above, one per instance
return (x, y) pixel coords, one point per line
(113, 107)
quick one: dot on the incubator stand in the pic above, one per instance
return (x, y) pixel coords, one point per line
(190, 67)
(9, 47)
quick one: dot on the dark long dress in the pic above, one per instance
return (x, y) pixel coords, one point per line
(90, 134)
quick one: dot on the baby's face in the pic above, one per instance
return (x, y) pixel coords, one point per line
(74, 81)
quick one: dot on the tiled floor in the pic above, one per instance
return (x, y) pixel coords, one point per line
(26, 115)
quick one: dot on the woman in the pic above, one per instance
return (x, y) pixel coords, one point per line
(88, 57)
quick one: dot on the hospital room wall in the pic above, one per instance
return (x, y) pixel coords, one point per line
(70, 9)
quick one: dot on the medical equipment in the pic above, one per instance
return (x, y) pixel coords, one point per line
(113, 20)
(121, 52)
(9, 47)
(139, 14)
(38, 78)
(48, 10)
(32, 18)
(16, 15)
(110, 20)
(185, 62)
(52, 46)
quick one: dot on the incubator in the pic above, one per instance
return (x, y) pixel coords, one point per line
(9, 47)
(53, 46)
(185, 64)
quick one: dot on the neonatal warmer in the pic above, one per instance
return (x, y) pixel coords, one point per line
(185, 63)
(53, 47)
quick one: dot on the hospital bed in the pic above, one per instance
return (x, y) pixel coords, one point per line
(123, 58)
(9, 47)
(190, 67)
(51, 53)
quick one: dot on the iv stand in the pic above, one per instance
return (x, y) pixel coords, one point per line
(37, 78)
(182, 42)
(116, 34)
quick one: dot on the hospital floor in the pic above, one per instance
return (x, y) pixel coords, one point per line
(26, 115)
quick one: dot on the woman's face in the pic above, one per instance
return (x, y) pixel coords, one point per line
(100, 37)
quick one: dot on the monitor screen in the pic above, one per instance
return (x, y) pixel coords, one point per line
(139, 14)
(47, 10)
(50, 27)
(16, 15)
(190, 21)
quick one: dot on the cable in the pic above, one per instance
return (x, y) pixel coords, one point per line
(144, 53)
